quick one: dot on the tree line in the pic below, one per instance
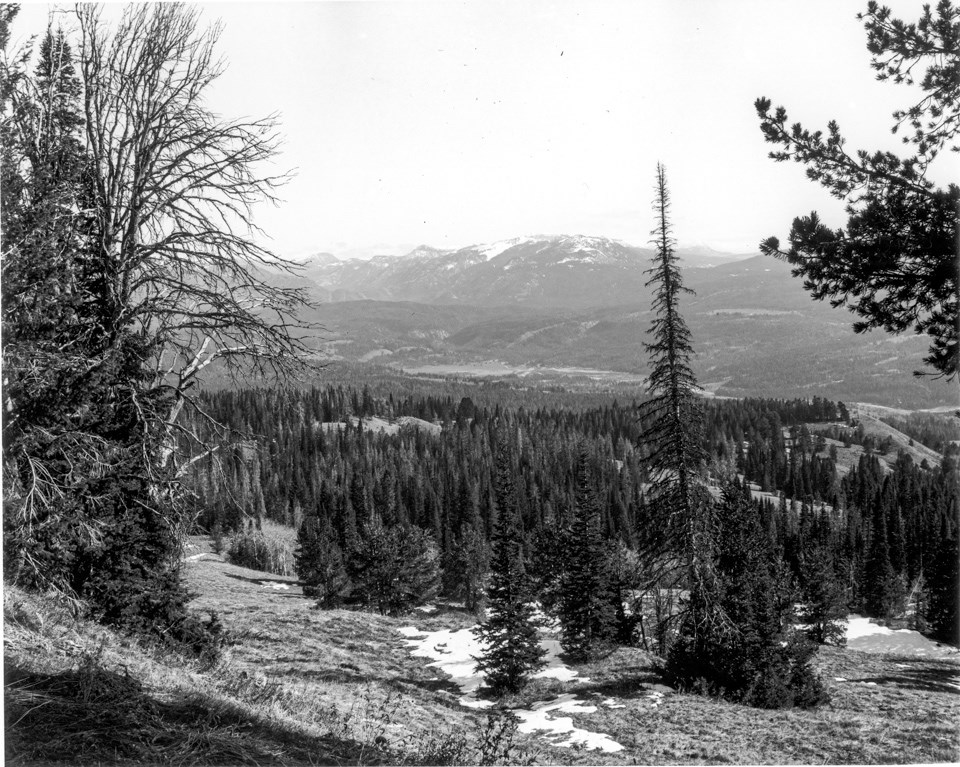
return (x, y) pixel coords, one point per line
(307, 455)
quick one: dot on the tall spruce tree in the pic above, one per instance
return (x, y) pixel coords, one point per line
(672, 413)
(512, 649)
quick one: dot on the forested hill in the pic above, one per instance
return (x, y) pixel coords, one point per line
(755, 329)
(313, 454)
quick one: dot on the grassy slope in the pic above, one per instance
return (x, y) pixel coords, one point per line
(849, 457)
(78, 693)
(303, 686)
(349, 670)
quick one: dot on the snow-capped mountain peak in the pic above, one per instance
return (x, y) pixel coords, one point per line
(539, 270)
(494, 249)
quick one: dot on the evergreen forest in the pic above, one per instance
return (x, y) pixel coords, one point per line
(309, 459)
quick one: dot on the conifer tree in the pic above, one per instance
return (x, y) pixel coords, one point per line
(512, 649)
(673, 415)
(823, 596)
(734, 640)
(466, 568)
(395, 567)
(319, 562)
(883, 590)
(943, 607)
(127, 269)
(894, 265)
(676, 538)
(586, 609)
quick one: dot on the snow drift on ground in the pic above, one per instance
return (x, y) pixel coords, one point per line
(866, 636)
(453, 652)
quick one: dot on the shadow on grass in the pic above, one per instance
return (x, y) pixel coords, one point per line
(403, 684)
(91, 715)
(921, 674)
(631, 685)
(338, 675)
(266, 579)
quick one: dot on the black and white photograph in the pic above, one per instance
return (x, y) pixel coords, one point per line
(480, 382)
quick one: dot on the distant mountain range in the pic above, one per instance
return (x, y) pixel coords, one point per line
(544, 305)
(548, 271)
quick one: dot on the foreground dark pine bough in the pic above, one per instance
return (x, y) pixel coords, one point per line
(895, 265)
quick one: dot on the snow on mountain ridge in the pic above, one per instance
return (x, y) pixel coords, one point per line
(494, 249)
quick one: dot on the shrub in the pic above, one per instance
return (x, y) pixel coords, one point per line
(264, 546)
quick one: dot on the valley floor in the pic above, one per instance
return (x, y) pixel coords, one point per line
(304, 686)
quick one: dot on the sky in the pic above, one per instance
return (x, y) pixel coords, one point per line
(462, 122)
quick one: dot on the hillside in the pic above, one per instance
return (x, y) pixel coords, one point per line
(302, 686)
(751, 353)
(848, 457)
(549, 304)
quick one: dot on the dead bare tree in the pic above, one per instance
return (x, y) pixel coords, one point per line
(131, 264)
(175, 187)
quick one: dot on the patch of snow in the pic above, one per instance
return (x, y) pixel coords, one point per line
(858, 626)
(454, 652)
(495, 249)
(276, 586)
(612, 703)
(839, 679)
(456, 660)
(542, 718)
(866, 636)
(426, 608)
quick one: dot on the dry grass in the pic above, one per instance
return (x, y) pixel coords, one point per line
(304, 686)
(349, 671)
(78, 693)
